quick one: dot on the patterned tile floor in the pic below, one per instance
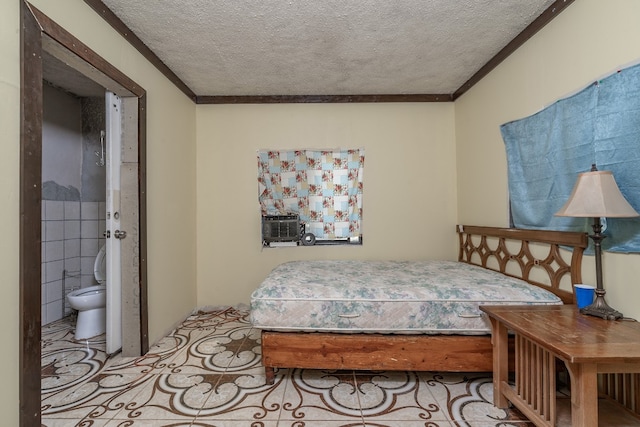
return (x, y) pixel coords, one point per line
(207, 373)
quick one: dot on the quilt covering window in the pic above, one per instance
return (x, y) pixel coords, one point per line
(324, 187)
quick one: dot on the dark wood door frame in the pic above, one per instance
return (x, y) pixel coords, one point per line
(39, 33)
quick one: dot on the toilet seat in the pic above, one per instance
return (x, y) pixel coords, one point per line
(82, 292)
(88, 298)
(100, 265)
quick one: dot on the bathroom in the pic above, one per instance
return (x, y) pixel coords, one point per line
(73, 195)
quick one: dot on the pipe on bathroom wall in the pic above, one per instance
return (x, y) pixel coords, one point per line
(65, 291)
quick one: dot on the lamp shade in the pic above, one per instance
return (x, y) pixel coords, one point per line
(596, 194)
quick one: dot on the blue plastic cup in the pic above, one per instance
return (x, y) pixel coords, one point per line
(584, 294)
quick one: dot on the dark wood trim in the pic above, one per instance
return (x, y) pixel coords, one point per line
(30, 217)
(35, 29)
(66, 39)
(547, 16)
(552, 237)
(308, 99)
(122, 29)
(142, 206)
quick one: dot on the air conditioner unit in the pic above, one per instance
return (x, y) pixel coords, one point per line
(280, 228)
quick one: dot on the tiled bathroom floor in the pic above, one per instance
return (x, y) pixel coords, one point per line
(208, 373)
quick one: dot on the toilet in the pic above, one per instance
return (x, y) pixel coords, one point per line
(91, 302)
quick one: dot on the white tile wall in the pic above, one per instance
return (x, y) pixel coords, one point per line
(54, 210)
(72, 266)
(53, 270)
(89, 246)
(72, 229)
(72, 210)
(54, 251)
(71, 249)
(89, 229)
(54, 290)
(86, 269)
(71, 239)
(89, 210)
(54, 310)
(54, 230)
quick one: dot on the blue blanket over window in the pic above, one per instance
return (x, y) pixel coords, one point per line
(546, 151)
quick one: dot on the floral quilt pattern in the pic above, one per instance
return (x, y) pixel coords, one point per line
(431, 297)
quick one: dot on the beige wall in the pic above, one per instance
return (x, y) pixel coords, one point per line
(409, 148)
(9, 202)
(171, 179)
(409, 200)
(170, 166)
(588, 40)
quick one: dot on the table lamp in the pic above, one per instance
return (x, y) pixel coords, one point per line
(596, 195)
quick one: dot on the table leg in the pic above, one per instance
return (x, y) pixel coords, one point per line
(500, 342)
(584, 394)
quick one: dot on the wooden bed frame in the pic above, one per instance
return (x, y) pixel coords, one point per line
(509, 251)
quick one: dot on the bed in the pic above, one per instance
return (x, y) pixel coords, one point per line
(410, 315)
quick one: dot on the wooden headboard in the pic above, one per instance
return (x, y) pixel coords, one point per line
(511, 252)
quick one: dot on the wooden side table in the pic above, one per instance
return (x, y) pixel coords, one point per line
(587, 345)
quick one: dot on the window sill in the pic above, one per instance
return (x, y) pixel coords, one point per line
(337, 242)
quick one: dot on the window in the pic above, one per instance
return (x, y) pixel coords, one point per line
(322, 187)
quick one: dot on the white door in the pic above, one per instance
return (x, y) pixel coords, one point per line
(114, 232)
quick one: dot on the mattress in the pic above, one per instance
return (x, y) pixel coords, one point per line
(401, 297)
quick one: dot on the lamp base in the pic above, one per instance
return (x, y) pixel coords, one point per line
(600, 308)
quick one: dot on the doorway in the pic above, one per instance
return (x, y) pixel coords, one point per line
(81, 212)
(73, 191)
(42, 41)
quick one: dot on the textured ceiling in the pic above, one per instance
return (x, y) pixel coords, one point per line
(326, 47)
